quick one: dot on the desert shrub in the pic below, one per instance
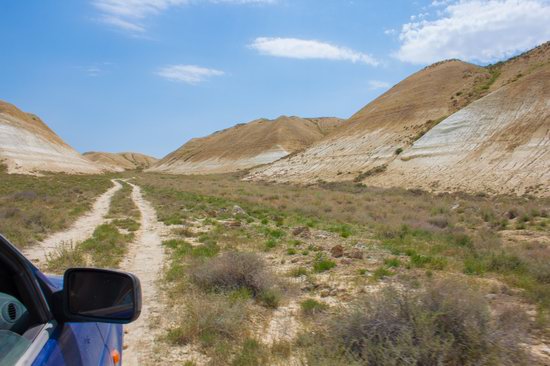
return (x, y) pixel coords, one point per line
(322, 263)
(380, 273)
(474, 265)
(311, 307)
(270, 298)
(392, 262)
(446, 323)
(252, 353)
(298, 272)
(233, 271)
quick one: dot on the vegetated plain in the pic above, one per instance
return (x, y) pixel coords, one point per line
(454, 278)
(326, 274)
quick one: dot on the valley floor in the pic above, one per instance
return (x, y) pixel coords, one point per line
(240, 273)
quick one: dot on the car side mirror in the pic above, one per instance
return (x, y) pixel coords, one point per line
(100, 295)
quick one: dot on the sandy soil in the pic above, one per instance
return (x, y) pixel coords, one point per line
(145, 260)
(79, 231)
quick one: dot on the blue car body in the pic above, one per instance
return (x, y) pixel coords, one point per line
(78, 344)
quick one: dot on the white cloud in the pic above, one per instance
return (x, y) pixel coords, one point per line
(308, 49)
(189, 74)
(129, 15)
(475, 30)
(376, 84)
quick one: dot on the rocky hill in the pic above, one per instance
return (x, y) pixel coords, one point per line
(246, 145)
(118, 162)
(29, 146)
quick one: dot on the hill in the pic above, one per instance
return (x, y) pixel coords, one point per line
(118, 162)
(393, 121)
(246, 145)
(28, 145)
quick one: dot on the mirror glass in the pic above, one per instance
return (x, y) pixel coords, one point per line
(101, 294)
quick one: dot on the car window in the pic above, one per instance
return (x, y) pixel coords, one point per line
(12, 347)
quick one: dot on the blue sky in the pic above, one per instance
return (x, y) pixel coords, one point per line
(148, 75)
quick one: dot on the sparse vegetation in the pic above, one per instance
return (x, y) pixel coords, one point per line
(447, 323)
(417, 232)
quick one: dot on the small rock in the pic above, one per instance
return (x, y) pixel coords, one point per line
(455, 206)
(337, 251)
(302, 231)
(237, 210)
(360, 246)
(545, 350)
(321, 236)
(355, 254)
(325, 293)
(295, 260)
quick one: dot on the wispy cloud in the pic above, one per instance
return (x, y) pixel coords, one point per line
(475, 30)
(130, 15)
(376, 84)
(309, 49)
(189, 74)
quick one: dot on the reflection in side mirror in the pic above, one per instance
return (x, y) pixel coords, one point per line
(98, 295)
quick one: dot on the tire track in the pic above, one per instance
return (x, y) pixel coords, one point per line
(145, 259)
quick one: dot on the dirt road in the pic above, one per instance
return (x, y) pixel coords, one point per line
(145, 259)
(79, 231)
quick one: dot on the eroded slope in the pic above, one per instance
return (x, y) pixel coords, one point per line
(500, 143)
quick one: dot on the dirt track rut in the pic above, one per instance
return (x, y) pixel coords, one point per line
(145, 259)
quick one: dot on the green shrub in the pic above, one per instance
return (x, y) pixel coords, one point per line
(312, 307)
(392, 262)
(252, 353)
(270, 298)
(298, 272)
(474, 266)
(322, 264)
(380, 273)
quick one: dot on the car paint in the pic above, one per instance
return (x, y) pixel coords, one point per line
(78, 344)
